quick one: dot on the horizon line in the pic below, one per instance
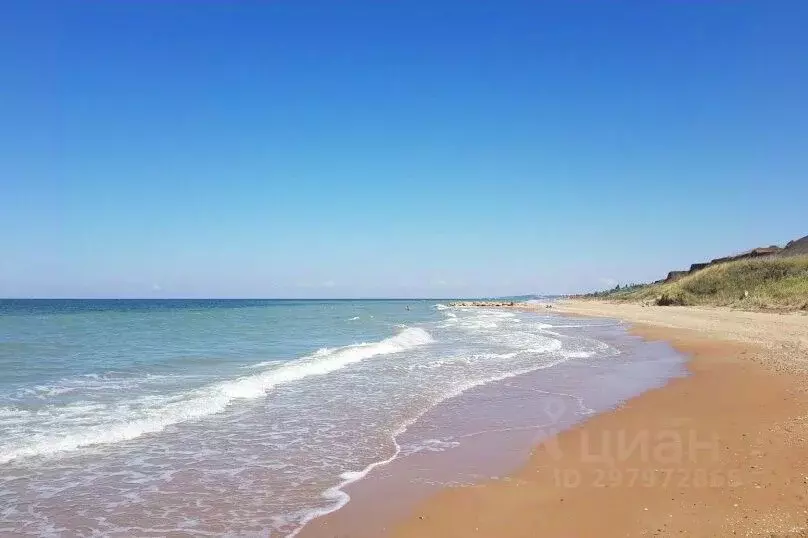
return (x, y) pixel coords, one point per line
(272, 298)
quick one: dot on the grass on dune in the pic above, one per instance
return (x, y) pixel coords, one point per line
(762, 283)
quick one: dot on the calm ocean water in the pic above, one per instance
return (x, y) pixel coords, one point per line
(237, 417)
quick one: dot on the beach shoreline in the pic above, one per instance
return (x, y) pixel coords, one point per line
(489, 431)
(720, 452)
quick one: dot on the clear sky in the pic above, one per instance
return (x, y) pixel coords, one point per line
(298, 148)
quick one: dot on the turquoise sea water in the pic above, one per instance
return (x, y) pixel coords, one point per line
(239, 417)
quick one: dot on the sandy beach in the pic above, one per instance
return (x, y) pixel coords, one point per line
(722, 452)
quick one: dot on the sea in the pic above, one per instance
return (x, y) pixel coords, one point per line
(254, 417)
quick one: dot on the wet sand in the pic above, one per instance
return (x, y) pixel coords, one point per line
(721, 452)
(489, 431)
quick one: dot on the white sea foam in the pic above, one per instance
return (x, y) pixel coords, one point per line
(531, 340)
(307, 438)
(578, 354)
(337, 493)
(429, 445)
(150, 414)
(263, 364)
(106, 382)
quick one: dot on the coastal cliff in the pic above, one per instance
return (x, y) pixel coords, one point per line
(766, 278)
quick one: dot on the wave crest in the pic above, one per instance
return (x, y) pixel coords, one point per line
(154, 414)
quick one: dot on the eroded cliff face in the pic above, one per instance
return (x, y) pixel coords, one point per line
(798, 247)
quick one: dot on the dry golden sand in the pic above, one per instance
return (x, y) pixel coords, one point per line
(723, 452)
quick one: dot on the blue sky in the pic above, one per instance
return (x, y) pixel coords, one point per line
(365, 148)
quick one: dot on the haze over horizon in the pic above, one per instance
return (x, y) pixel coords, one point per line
(371, 149)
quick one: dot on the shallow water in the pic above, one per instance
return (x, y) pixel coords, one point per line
(489, 431)
(252, 417)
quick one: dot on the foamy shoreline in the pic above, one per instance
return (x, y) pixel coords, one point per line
(736, 423)
(367, 515)
(298, 401)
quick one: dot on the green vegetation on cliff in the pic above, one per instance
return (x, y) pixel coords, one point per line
(769, 283)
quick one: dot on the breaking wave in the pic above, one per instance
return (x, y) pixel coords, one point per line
(66, 428)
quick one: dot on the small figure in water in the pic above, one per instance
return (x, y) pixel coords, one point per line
(408, 307)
